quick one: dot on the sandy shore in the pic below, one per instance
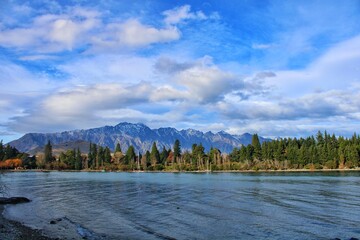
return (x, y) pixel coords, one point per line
(11, 230)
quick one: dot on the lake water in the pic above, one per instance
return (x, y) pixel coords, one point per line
(189, 205)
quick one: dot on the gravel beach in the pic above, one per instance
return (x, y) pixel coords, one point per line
(11, 230)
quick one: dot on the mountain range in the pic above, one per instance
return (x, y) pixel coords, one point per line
(138, 135)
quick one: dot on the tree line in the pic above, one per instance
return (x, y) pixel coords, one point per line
(322, 151)
(11, 158)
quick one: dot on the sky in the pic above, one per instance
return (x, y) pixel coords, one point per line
(276, 68)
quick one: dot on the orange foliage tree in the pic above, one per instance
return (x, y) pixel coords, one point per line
(11, 163)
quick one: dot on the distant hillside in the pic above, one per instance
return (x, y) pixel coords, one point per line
(138, 135)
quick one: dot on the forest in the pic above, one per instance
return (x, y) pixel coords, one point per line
(323, 151)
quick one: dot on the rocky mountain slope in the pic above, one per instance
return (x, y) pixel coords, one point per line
(138, 135)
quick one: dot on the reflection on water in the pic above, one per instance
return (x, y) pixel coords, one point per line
(193, 206)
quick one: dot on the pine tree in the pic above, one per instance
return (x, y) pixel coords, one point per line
(2, 154)
(130, 155)
(257, 147)
(107, 155)
(177, 150)
(90, 156)
(100, 157)
(154, 155)
(164, 155)
(48, 153)
(148, 159)
(118, 148)
(78, 161)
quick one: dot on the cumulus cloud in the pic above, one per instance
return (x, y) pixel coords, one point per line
(52, 33)
(324, 105)
(192, 83)
(170, 66)
(179, 14)
(204, 81)
(132, 33)
(86, 28)
(66, 109)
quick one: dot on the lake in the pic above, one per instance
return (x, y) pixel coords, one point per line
(189, 205)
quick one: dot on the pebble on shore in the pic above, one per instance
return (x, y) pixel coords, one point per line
(11, 230)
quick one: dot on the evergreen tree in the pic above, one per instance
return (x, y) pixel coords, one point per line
(2, 154)
(148, 159)
(78, 160)
(107, 155)
(198, 156)
(177, 149)
(164, 155)
(154, 155)
(118, 148)
(99, 157)
(94, 156)
(48, 152)
(130, 156)
(257, 147)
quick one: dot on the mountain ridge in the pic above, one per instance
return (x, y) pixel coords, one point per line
(139, 135)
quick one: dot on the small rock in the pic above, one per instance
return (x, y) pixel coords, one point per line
(13, 200)
(52, 222)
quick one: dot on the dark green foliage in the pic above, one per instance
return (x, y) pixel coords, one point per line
(164, 155)
(198, 157)
(130, 156)
(177, 149)
(29, 162)
(256, 146)
(48, 152)
(118, 148)
(107, 155)
(154, 155)
(78, 160)
(148, 159)
(7, 152)
(324, 150)
(68, 159)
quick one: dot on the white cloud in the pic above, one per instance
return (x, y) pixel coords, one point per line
(179, 14)
(323, 96)
(38, 57)
(338, 68)
(261, 46)
(52, 33)
(204, 81)
(126, 69)
(17, 79)
(132, 33)
(68, 109)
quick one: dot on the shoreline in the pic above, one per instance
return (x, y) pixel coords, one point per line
(13, 230)
(197, 171)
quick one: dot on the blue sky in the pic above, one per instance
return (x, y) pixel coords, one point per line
(277, 68)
